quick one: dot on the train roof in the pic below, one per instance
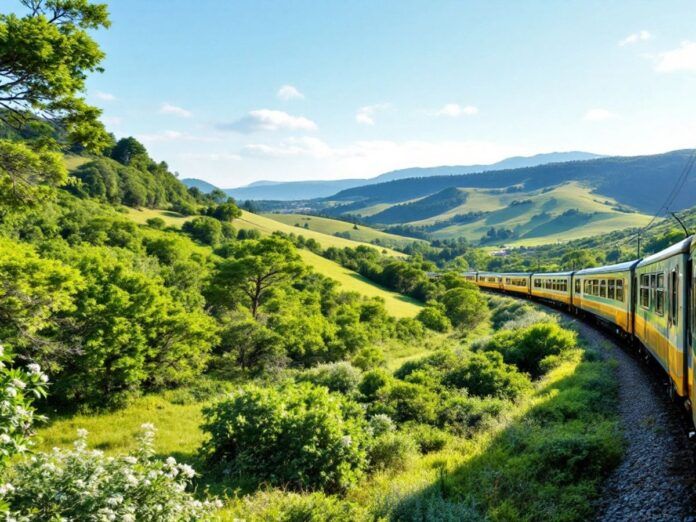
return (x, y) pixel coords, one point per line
(678, 248)
(553, 274)
(618, 267)
(515, 274)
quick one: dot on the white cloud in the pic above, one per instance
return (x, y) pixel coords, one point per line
(269, 120)
(112, 120)
(683, 58)
(366, 115)
(640, 36)
(454, 110)
(104, 96)
(598, 115)
(289, 92)
(168, 108)
(172, 135)
(305, 146)
(213, 156)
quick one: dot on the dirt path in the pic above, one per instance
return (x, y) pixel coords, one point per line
(656, 480)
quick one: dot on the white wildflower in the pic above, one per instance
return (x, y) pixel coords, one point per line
(6, 488)
(34, 368)
(19, 383)
(10, 391)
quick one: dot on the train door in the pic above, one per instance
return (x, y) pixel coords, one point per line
(675, 323)
(690, 276)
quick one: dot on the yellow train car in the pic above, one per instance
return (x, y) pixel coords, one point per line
(606, 292)
(489, 280)
(470, 276)
(660, 311)
(553, 286)
(516, 282)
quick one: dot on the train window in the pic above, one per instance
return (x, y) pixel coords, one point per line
(659, 292)
(645, 290)
(674, 296)
(619, 290)
(578, 286)
(611, 285)
(603, 288)
(595, 287)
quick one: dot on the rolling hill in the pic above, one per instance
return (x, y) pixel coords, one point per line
(347, 230)
(302, 190)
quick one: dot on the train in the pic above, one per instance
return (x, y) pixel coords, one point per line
(650, 301)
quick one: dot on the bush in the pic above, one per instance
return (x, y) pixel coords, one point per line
(381, 423)
(338, 377)
(434, 318)
(464, 306)
(156, 222)
(408, 329)
(368, 358)
(427, 438)
(392, 450)
(430, 506)
(461, 414)
(205, 229)
(405, 401)
(82, 484)
(298, 436)
(527, 347)
(372, 383)
(485, 374)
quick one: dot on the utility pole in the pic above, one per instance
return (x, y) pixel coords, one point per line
(686, 231)
(638, 256)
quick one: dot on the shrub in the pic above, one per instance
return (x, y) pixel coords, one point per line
(204, 229)
(405, 401)
(368, 358)
(527, 347)
(434, 318)
(340, 377)
(408, 329)
(461, 414)
(464, 306)
(156, 222)
(485, 374)
(18, 389)
(298, 436)
(372, 383)
(427, 438)
(381, 423)
(392, 450)
(430, 506)
(439, 360)
(83, 484)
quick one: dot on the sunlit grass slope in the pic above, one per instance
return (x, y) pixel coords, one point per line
(397, 305)
(333, 226)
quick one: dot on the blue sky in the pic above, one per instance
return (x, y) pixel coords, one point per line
(236, 91)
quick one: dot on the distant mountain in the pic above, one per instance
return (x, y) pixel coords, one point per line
(301, 190)
(200, 184)
(293, 190)
(515, 162)
(642, 182)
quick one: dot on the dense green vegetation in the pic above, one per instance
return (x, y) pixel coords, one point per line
(294, 399)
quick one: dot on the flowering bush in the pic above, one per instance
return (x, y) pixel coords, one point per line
(84, 484)
(18, 388)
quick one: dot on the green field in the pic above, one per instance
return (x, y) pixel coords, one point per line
(333, 226)
(397, 305)
(72, 162)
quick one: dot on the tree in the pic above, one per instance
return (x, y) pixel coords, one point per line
(252, 345)
(45, 56)
(205, 229)
(252, 270)
(226, 211)
(464, 306)
(129, 151)
(27, 177)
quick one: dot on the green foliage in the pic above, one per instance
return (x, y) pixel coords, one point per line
(251, 345)
(369, 358)
(527, 347)
(300, 436)
(485, 374)
(464, 306)
(83, 484)
(226, 211)
(46, 55)
(405, 401)
(27, 177)
(427, 438)
(433, 316)
(19, 388)
(33, 292)
(156, 222)
(461, 414)
(253, 268)
(205, 229)
(339, 377)
(281, 506)
(392, 450)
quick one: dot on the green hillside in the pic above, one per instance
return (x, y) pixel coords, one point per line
(335, 226)
(397, 305)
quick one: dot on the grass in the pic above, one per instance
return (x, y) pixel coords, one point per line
(396, 304)
(334, 226)
(72, 161)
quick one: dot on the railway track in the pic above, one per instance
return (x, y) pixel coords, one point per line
(656, 480)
